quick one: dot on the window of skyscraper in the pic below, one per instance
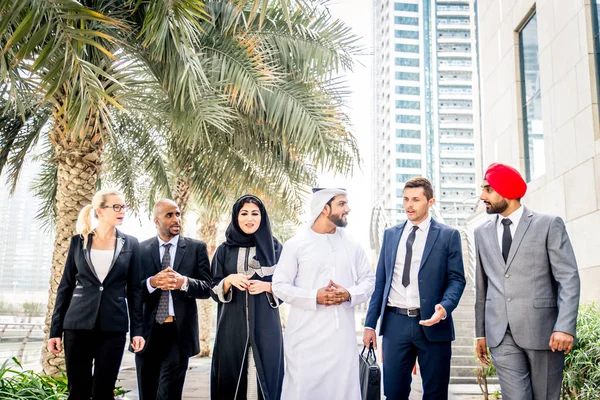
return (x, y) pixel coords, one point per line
(407, 76)
(535, 163)
(408, 148)
(408, 163)
(408, 119)
(406, 48)
(399, 34)
(404, 177)
(413, 90)
(408, 133)
(406, 21)
(407, 62)
(406, 7)
(596, 29)
(410, 105)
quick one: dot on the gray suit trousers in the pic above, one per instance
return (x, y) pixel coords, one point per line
(527, 374)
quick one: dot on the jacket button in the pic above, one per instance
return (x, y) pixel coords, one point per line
(101, 288)
(506, 276)
(509, 299)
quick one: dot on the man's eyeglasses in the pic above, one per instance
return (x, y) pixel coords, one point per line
(117, 207)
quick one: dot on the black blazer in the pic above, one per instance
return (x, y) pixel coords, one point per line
(191, 260)
(81, 295)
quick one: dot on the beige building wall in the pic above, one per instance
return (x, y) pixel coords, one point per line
(570, 187)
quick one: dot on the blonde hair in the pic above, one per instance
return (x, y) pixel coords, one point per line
(84, 220)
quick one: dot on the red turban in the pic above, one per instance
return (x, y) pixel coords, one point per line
(506, 181)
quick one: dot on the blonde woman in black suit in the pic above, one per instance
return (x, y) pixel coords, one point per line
(100, 282)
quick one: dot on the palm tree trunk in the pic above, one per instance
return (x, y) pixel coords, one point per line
(208, 233)
(78, 162)
(181, 194)
(206, 308)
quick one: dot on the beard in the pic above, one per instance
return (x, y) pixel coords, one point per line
(497, 208)
(338, 220)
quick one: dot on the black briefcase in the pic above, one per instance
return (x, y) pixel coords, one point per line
(370, 375)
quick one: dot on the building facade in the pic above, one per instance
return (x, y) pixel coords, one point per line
(426, 107)
(539, 96)
(25, 247)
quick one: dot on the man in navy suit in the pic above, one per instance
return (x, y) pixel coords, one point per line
(419, 281)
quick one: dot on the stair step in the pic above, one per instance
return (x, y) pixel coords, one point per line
(462, 370)
(463, 361)
(467, 341)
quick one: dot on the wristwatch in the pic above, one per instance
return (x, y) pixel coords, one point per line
(185, 285)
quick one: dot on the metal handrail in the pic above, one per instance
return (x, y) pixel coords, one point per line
(469, 257)
(28, 330)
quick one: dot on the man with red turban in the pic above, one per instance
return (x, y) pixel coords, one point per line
(527, 290)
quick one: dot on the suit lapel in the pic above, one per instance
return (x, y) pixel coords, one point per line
(394, 242)
(519, 234)
(118, 248)
(179, 253)
(492, 236)
(155, 254)
(86, 255)
(434, 231)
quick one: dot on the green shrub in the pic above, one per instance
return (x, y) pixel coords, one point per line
(15, 383)
(582, 365)
(18, 384)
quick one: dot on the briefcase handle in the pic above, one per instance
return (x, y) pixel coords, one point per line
(370, 353)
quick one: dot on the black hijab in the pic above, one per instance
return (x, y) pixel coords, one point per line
(267, 247)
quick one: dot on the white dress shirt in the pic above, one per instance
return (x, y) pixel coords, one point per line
(101, 260)
(161, 252)
(408, 297)
(514, 217)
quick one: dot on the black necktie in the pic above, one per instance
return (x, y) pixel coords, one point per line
(506, 238)
(162, 311)
(408, 258)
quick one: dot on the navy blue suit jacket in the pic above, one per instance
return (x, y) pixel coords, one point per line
(441, 278)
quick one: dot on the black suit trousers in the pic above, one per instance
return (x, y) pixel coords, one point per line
(101, 349)
(162, 367)
(404, 342)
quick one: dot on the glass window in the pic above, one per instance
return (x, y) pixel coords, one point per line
(406, 48)
(407, 62)
(406, 7)
(535, 163)
(408, 119)
(410, 105)
(408, 163)
(414, 90)
(404, 177)
(406, 21)
(399, 34)
(408, 133)
(407, 76)
(408, 148)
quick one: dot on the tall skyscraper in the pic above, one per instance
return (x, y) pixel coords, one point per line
(426, 102)
(25, 248)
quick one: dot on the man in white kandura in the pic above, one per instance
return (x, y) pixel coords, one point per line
(322, 275)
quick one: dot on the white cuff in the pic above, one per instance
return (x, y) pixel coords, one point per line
(151, 288)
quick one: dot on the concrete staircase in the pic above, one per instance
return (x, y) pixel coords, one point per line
(464, 362)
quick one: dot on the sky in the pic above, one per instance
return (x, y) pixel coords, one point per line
(358, 15)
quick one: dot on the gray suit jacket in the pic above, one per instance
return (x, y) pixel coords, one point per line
(536, 291)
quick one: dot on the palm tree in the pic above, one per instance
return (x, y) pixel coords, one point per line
(118, 81)
(76, 66)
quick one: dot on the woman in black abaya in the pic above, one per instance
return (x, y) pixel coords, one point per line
(248, 354)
